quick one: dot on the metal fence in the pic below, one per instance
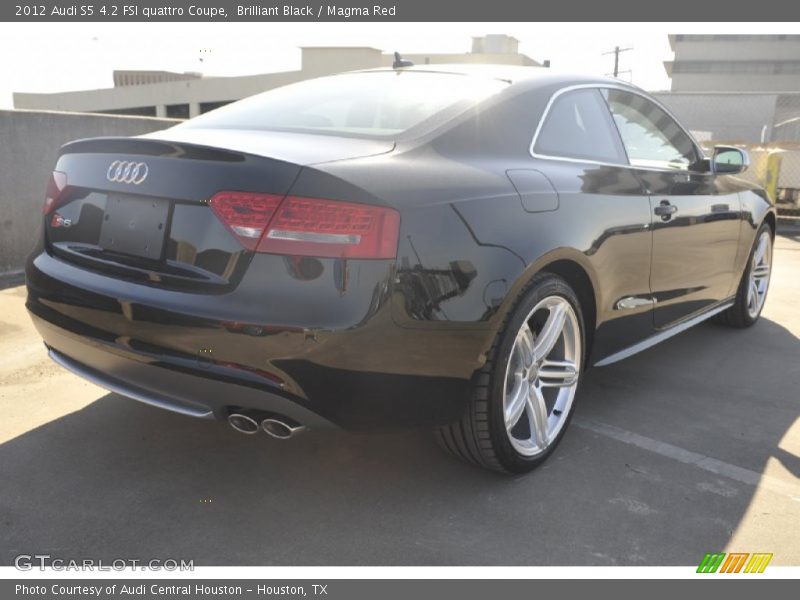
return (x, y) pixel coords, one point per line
(776, 168)
(742, 117)
(766, 124)
(788, 176)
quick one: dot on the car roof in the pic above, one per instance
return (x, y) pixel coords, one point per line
(513, 74)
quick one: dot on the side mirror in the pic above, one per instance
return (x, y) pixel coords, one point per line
(729, 160)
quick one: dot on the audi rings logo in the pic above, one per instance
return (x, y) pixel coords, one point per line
(126, 171)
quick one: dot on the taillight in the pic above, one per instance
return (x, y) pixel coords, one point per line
(245, 214)
(309, 226)
(55, 187)
(313, 227)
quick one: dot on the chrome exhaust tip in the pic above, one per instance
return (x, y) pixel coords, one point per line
(243, 423)
(281, 429)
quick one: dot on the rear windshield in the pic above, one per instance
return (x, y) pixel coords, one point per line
(373, 104)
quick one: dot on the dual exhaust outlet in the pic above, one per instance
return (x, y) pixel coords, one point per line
(278, 427)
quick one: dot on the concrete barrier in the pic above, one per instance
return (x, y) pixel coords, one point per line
(29, 144)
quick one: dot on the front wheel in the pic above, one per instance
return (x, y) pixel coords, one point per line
(523, 397)
(752, 291)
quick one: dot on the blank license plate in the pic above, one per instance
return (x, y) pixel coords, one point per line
(134, 225)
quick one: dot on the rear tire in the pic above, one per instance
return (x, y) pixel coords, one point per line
(523, 398)
(752, 291)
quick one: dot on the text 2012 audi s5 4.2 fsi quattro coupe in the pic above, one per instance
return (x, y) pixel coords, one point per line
(438, 246)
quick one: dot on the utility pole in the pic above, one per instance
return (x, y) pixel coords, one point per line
(616, 52)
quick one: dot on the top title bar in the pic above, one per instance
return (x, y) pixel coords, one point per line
(402, 10)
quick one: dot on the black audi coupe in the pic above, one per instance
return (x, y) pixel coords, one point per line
(417, 246)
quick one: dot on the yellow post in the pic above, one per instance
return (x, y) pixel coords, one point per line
(773, 171)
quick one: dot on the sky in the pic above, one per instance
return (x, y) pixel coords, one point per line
(55, 57)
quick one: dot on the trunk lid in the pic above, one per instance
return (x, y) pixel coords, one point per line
(138, 207)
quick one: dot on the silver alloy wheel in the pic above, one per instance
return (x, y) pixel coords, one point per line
(542, 376)
(760, 269)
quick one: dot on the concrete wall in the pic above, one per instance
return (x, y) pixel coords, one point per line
(772, 67)
(740, 49)
(29, 144)
(736, 82)
(191, 92)
(317, 62)
(473, 58)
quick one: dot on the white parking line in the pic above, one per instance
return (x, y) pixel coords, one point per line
(688, 457)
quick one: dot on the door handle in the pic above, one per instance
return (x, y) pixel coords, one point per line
(665, 210)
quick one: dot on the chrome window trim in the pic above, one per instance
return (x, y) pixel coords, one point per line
(628, 165)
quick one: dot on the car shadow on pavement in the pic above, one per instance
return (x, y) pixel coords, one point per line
(790, 231)
(119, 479)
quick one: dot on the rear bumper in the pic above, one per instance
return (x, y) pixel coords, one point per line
(158, 385)
(355, 375)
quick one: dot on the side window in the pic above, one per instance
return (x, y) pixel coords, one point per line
(651, 137)
(578, 126)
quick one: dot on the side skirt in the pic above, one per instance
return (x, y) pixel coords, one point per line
(663, 335)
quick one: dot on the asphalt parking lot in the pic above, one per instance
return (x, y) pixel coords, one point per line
(690, 447)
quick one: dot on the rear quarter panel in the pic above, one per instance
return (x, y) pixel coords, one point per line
(468, 246)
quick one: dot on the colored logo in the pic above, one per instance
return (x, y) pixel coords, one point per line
(734, 562)
(59, 221)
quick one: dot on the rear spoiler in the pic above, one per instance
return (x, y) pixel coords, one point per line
(148, 147)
